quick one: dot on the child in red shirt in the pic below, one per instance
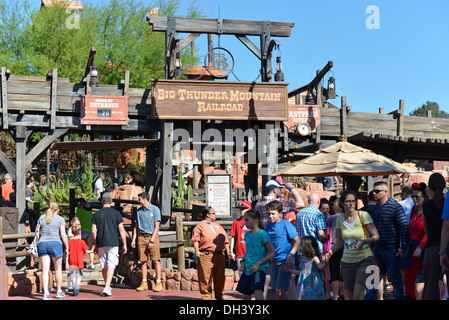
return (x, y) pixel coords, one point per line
(237, 233)
(77, 249)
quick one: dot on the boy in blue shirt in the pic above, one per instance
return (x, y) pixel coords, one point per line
(285, 240)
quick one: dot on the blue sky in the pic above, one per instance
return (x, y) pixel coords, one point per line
(406, 58)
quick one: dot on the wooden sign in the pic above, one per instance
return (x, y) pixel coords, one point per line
(177, 99)
(298, 114)
(104, 110)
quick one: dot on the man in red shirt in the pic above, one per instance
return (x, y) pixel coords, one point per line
(237, 233)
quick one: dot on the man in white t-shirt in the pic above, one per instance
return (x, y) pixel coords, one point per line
(99, 188)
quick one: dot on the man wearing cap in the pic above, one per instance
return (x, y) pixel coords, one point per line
(237, 233)
(274, 189)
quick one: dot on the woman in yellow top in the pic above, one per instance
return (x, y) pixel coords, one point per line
(357, 264)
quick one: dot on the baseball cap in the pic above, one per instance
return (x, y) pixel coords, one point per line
(245, 204)
(272, 184)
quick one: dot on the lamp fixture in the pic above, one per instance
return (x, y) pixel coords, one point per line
(279, 76)
(331, 94)
(178, 73)
(94, 77)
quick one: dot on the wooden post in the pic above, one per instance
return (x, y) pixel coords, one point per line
(4, 98)
(166, 163)
(20, 185)
(343, 119)
(400, 128)
(180, 243)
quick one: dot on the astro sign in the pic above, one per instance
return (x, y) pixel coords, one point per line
(104, 110)
(196, 100)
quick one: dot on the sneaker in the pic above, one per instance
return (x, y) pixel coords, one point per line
(91, 267)
(107, 292)
(158, 287)
(143, 286)
(47, 297)
(60, 295)
(76, 290)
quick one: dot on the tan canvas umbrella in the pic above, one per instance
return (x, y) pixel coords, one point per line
(344, 159)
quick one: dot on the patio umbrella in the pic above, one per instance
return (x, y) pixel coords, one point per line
(344, 159)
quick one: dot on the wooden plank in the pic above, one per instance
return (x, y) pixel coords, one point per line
(233, 27)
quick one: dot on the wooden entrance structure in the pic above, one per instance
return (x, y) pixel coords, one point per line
(265, 30)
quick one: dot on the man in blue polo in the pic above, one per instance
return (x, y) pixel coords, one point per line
(146, 231)
(391, 223)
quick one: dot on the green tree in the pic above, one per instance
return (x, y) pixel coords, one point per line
(35, 41)
(429, 106)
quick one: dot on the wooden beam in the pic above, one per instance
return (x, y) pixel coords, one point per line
(190, 38)
(221, 26)
(40, 149)
(250, 45)
(9, 165)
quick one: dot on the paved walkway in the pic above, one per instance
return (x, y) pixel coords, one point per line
(125, 292)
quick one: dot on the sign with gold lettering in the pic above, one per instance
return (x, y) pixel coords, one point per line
(178, 99)
(104, 110)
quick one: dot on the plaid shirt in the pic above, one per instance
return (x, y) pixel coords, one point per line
(260, 206)
(308, 221)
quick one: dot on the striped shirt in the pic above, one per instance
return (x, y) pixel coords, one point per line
(260, 206)
(391, 223)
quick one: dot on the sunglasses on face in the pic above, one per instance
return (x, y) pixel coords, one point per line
(377, 191)
(416, 196)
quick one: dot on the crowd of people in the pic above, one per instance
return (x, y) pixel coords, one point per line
(325, 249)
(332, 249)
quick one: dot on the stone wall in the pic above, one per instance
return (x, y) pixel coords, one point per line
(186, 280)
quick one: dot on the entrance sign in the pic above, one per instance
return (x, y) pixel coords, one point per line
(218, 193)
(104, 110)
(178, 99)
(299, 116)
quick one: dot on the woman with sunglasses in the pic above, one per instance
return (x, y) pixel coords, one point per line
(356, 232)
(414, 252)
(210, 241)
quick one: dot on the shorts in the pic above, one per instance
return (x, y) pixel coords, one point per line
(334, 266)
(85, 234)
(280, 279)
(249, 284)
(146, 254)
(108, 257)
(356, 273)
(50, 248)
(76, 272)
